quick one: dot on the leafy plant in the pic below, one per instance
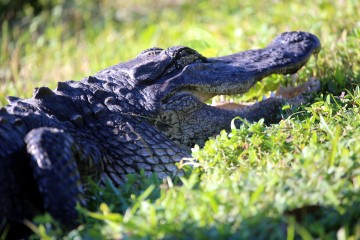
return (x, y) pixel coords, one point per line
(299, 178)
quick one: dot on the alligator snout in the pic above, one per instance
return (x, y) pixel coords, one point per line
(299, 38)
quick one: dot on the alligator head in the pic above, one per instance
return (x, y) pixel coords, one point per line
(174, 83)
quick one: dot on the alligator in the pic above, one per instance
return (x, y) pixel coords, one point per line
(141, 115)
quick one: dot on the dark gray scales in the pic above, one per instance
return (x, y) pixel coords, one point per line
(144, 114)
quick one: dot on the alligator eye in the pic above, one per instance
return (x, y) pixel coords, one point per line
(188, 51)
(151, 51)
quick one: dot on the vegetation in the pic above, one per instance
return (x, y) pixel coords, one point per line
(296, 179)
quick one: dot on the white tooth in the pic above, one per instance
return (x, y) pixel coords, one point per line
(264, 97)
(222, 98)
(272, 94)
(213, 102)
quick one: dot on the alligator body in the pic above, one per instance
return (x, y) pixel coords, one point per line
(144, 114)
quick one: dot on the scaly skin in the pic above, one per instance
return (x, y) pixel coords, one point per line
(146, 114)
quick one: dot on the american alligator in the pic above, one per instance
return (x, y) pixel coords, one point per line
(144, 114)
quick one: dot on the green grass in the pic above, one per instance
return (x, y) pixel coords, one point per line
(296, 179)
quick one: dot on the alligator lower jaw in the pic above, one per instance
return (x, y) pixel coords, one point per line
(222, 103)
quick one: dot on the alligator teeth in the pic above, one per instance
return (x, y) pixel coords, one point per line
(312, 85)
(213, 101)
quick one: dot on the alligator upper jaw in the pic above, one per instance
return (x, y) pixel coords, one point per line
(237, 73)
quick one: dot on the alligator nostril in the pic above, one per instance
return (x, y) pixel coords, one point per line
(293, 37)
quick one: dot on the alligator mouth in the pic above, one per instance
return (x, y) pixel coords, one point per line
(187, 117)
(227, 102)
(237, 73)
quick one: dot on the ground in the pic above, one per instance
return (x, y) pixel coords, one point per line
(298, 178)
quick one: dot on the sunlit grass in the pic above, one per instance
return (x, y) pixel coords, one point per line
(79, 38)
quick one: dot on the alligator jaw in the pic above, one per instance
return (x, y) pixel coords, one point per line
(189, 121)
(237, 73)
